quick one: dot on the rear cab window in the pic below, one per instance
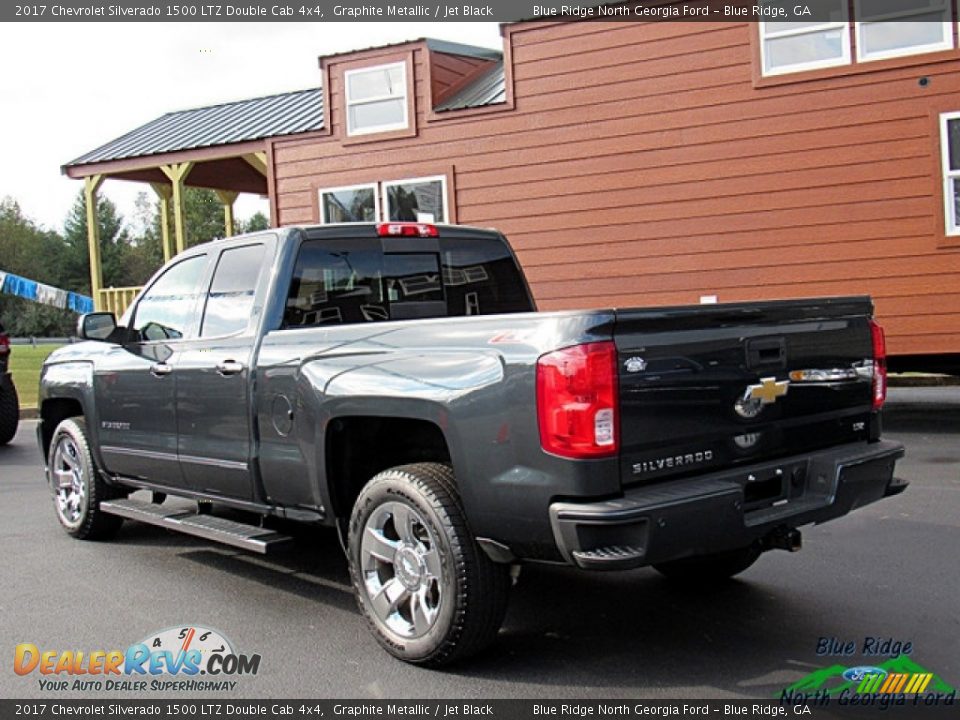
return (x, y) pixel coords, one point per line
(353, 281)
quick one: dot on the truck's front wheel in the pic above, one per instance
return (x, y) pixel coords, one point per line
(428, 592)
(77, 486)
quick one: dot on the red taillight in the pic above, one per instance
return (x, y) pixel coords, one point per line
(577, 401)
(407, 229)
(879, 365)
(4, 344)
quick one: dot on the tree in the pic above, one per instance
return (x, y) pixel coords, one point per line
(145, 253)
(203, 221)
(25, 248)
(202, 216)
(34, 253)
(256, 222)
(141, 260)
(114, 244)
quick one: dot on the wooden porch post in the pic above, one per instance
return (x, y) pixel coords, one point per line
(164, 192)
(91, 184)
(227, 198)
(178, 174)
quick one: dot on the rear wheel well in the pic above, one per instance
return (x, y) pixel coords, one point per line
(53, 412)
(357, 448)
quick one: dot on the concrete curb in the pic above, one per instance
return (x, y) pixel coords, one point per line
(28, 413)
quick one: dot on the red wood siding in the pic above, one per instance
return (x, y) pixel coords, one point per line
(643, 164)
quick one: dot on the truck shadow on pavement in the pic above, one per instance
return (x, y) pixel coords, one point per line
(636, 629)
(569, 628)
(314, 568)
(318, 575)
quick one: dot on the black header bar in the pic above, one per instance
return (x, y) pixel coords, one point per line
(190, 708)
(791, 11)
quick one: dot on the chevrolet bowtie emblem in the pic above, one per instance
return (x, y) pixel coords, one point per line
(767, 392)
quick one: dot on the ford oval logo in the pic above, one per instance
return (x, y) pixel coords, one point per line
(856, 674)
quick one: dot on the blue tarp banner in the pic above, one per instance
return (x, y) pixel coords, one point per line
(11, 284)
(80, 304)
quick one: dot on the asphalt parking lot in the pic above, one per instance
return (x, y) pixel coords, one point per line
(888, 571)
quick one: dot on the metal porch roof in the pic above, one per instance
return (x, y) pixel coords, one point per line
(223, 124)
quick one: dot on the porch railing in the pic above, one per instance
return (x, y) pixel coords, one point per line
(116, 299)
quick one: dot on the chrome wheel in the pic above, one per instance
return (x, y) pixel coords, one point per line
(68, 481)
(428, 592)
(402, 571)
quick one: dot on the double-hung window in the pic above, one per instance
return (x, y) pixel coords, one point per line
(950, 148)
(807, 45)
(376, 99)
(352, 204)
(893, 28)
(883, 29)
(417, 200)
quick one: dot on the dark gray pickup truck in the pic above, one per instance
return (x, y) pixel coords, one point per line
(395, 381)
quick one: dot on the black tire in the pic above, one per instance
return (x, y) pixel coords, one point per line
(708, 569)
(465, 591)
(9, 411)
(79, 510)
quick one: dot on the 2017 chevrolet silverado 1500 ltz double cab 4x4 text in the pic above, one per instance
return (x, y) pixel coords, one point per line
(395, 381)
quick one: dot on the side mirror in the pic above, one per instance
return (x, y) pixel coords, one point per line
(96, 326)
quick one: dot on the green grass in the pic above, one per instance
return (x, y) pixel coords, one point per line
(25, 362)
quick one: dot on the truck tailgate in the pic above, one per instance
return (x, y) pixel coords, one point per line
(712, 386)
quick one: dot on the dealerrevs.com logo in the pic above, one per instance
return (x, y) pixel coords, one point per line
(189, 658)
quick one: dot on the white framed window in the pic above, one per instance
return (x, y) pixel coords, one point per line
(894, 28)
(416, 200)
(950, 151)
(349, 204)
(376, 99)
(787, 47)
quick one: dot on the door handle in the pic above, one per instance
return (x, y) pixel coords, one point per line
(229, 367)
(160, 369)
